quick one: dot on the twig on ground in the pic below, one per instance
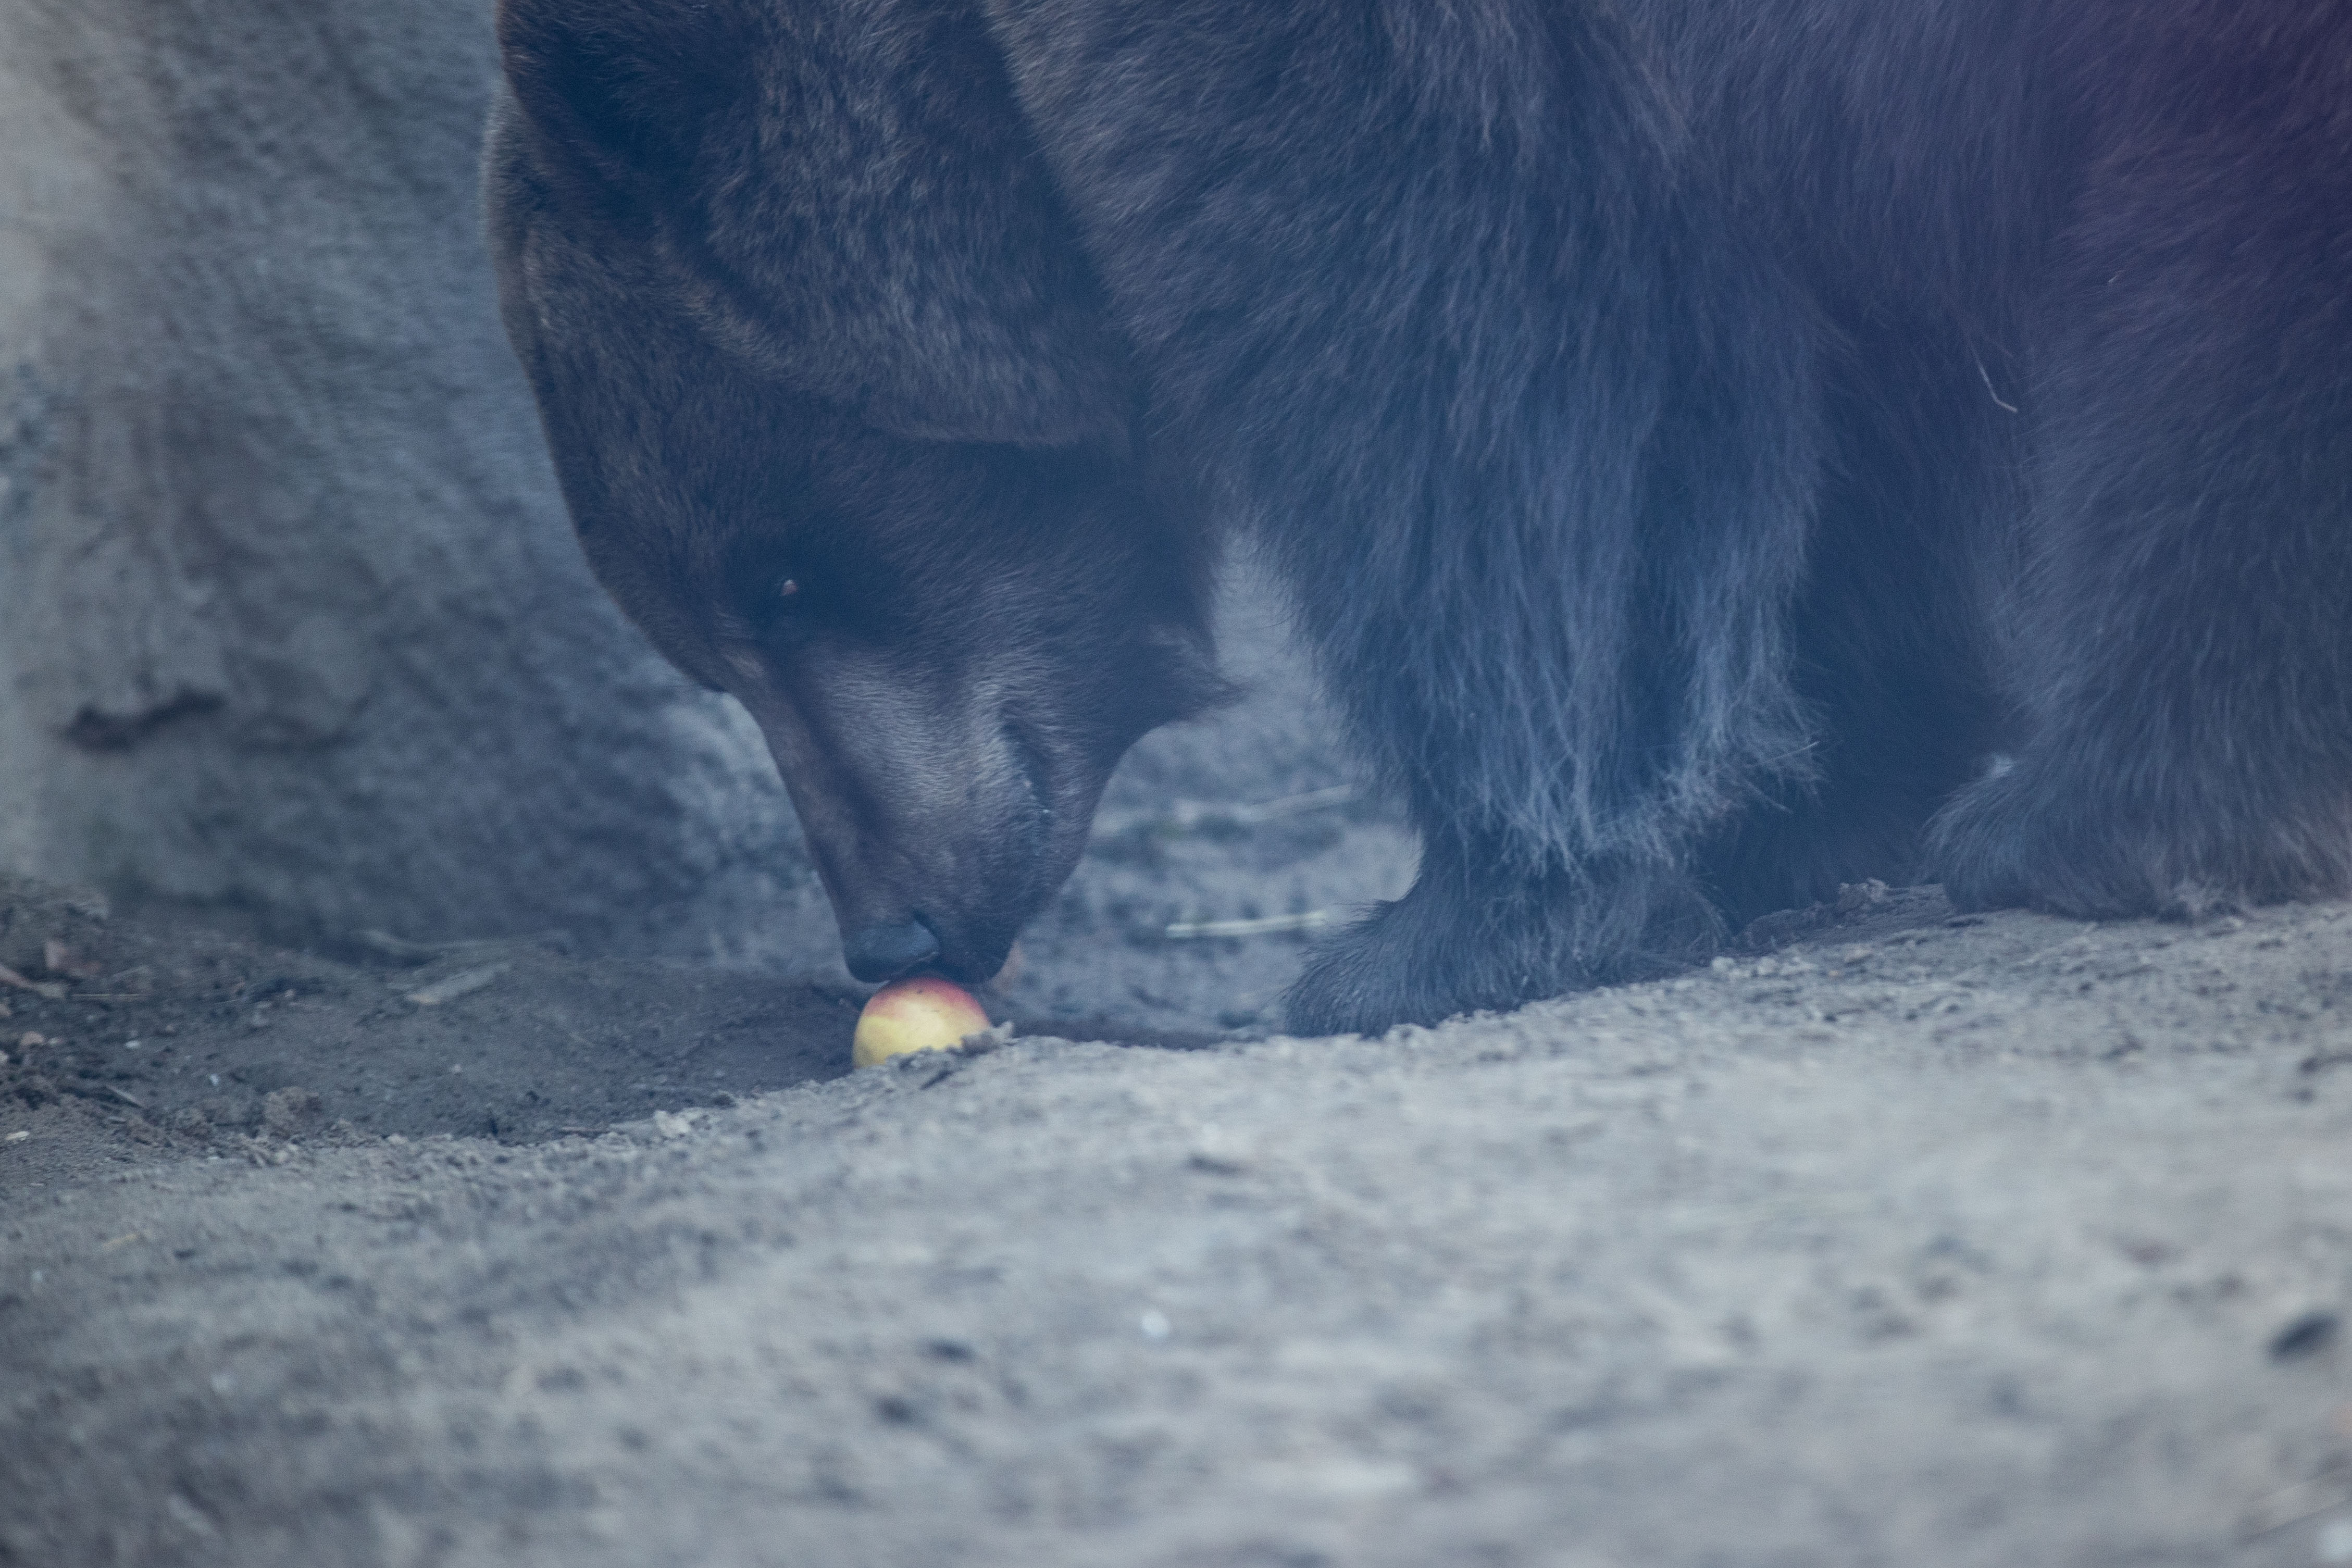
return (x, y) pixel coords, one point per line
(1312, 919)
(462, 983)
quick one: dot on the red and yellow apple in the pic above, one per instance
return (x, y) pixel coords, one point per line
(923, 1013)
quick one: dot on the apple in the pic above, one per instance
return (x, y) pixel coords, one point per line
(924, 1012)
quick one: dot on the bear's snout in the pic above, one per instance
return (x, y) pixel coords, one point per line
(886, 950)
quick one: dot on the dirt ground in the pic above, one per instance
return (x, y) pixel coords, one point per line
(1917, 1240)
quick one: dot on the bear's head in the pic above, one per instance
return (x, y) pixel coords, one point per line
(866, 463)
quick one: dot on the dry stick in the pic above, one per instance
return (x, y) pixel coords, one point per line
(460, 984)
(1313, 919)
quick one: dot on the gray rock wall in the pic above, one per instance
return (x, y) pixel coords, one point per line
(290, 618)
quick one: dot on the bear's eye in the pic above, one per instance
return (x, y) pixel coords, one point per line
(787, 604)
(781, 610)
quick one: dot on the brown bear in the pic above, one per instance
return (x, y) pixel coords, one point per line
(1715, 451)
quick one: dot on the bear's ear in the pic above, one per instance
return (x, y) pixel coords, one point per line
(620, 87)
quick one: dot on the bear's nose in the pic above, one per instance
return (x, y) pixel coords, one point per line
(886, 950)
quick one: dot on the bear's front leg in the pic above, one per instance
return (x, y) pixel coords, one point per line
(1449, 312)
(1474, 934)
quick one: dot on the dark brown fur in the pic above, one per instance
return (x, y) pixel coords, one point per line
(1701, 436)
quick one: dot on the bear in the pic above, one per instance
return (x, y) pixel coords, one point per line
(1715, 452)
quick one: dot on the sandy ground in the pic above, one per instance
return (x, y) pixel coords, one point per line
(1920, 1241)
(1894, 1239)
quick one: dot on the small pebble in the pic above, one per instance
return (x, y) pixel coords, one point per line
(2306, 1335)
(293, 1110)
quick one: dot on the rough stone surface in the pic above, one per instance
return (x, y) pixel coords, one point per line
(289, 616)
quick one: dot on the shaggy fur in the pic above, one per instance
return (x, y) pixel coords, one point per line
(1700, 435)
